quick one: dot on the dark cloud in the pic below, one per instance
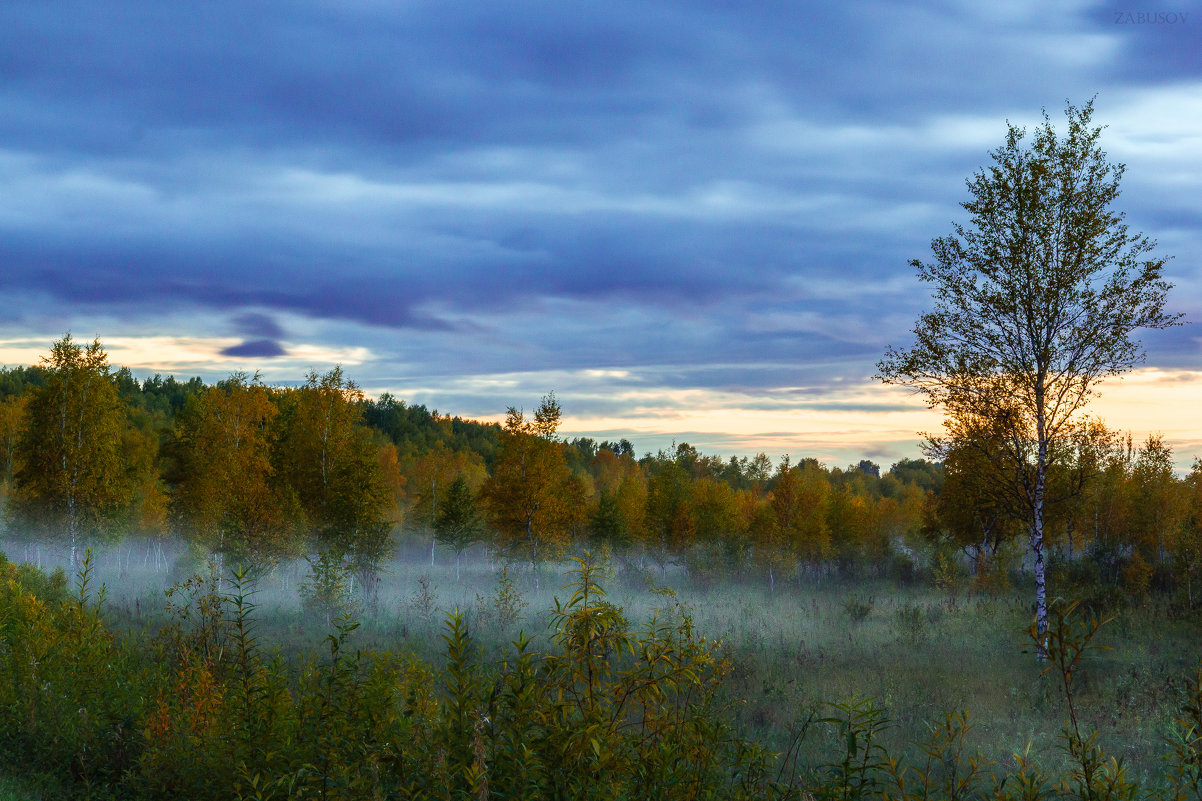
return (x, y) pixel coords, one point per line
(255, 349)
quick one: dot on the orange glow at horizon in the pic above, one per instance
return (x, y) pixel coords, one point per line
(856, 418)
(1144, 402)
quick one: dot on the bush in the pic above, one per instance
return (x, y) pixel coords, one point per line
(1137, 576)
(910, 623)
(857, 609)
(901, 568)
(326, 591)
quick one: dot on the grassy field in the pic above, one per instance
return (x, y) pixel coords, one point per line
(919, 654)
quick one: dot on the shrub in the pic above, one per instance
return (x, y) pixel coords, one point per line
(910, 623)
(327, 589)
(858, 610)
(1137, 576)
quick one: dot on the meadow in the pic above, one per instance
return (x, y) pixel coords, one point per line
(920, 652)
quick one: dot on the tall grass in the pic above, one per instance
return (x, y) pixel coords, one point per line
(918, 652)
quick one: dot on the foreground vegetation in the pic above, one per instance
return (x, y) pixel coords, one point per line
(212, 698)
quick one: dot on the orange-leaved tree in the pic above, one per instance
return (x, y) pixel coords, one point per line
(528, 498)
(225, 496)
(326, 456)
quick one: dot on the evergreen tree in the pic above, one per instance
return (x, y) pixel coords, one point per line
(457, 525)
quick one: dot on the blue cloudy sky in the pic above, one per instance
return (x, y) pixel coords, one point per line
(692, 220)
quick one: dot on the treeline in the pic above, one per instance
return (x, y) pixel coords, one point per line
(1117, 517)
(252, 472)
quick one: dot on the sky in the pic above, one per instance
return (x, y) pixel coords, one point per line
(693, 221)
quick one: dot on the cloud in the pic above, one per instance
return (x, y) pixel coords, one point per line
(684, 195)
(255, 348)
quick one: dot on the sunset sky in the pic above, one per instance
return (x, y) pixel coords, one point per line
(693, 221)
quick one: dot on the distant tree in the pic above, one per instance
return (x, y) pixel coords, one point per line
(719, 540)
(1188, 556)
(71, 478)
(630, 498)
(670, 524)
(457, 524)
(526, 499)
(225, 496)
(769, 546)
(622, 447)
(14, 381)
(800, 498)
(786, 491)
(1160, 500)
(975, 509)
(927, 476)
(1036, 300)
(849, 520)
(12, 421)
(606, 526)
(328, 458)
(869, 468)
(430, 473)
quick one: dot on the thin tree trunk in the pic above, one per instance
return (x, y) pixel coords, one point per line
(1041, 592)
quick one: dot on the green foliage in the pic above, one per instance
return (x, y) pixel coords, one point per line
(71, 478)
(910, 624)
(67, 700)
(857, 773)
(1093, 776)
(946, 771)
(327, 589)
(457, 525)
(857, 609)
(505, 606)
(1184, 741)
(49, 588)
(532, 499)
(948, 575)
(606, 710)
(415, 429)
(330, 465)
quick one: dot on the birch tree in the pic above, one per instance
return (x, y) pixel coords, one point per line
(326, 456)
(225, 495)
(70, 479)
(527, 499)
(1036, 300)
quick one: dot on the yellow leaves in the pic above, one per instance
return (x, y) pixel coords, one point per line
(68, 461)
(225, 449)
(532, 499)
